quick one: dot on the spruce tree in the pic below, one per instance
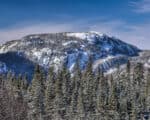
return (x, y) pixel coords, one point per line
(113, 98)
(139, 73)
(66, 83)
(77, 87)
(97, 89)
(60, 110)
(50, 94)
(24, 83)
(128, 67)
(101, 95)
(36, 103)
(89, 101)
(80, 105)
(148, 89)
(139, 85)
(128, 78)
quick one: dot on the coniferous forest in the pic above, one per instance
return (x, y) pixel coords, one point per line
(84, 95)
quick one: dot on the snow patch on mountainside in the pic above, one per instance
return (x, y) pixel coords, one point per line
(147, 65)
(81, 56)
(100, 61)
(57, 62)
(70, 42)
(78, 35)
(90, 36)
(66, 48)
(112, 70)
(39, 53)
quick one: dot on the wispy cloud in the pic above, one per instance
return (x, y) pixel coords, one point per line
(134, 34)
(22, 29)
(18, 32)
(137, 35)
(141, 6)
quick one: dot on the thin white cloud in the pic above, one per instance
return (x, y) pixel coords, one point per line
(18, 32)
(22, 29)
(141, 6)
(137, 35)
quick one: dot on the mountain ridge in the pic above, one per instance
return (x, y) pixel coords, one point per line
(57, 49)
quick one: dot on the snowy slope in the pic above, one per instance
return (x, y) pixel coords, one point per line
(65, 48)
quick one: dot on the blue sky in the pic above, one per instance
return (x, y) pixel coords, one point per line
(128, 20)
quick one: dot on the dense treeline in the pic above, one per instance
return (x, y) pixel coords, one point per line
(86, 95)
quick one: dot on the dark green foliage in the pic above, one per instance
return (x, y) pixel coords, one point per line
(83, 95)
(50, 94)
(128, 69)
(139, 73)
(36, 93)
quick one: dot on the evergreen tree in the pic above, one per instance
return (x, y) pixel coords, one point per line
(104, 91)
(113, 98)
(148, 90)
(19, 81)
(128, 78)
(89, 89)
(76, 89)
(101, 95)
(24, 83)
(36, 103)
(97, 89)
(139, 86)
(85, 95)
(10, 80)
(60, 109)
(66, 83)
(80, 105)
(139, 73)
(128, 67)
(50, 94)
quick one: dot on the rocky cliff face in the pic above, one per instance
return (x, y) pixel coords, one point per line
(65, 48)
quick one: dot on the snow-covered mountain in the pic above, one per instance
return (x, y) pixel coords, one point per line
(64, 48)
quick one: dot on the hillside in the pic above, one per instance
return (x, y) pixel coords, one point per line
(65, 49)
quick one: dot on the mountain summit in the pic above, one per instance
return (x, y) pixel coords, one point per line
(57, 49)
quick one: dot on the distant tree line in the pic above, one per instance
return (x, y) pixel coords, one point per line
(85, 95)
